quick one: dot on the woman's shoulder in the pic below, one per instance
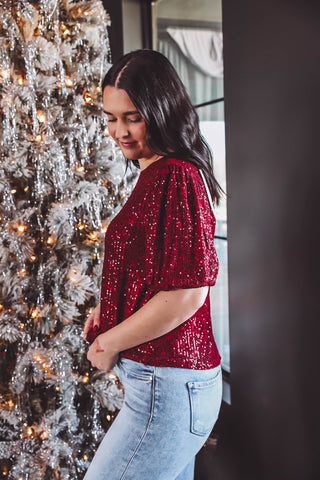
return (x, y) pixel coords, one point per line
(167, 165)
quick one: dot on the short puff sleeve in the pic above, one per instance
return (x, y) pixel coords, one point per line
(178, 232)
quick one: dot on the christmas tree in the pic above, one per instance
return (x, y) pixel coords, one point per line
(62, 179)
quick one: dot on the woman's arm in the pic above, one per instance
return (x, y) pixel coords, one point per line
(162, 313)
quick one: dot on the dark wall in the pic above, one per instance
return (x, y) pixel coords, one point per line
(272, 105)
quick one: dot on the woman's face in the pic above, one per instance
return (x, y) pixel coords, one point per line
(125, 124)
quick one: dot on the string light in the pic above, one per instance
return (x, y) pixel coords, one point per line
(20, 81)
(93, 236)
(34, 313)
(13, 191)
(108, 418)
(41, 117)
(1, 306)
(21, 228)
(68, 82)
(99, 89)
(85, 457)
(80, 168)
(81, 226)
(10, 403)
(50, 240)
(26, 189)
(44, 435)
(38, 138)
(4, 73)
(88, 98)
(22, 271)
(32, 258)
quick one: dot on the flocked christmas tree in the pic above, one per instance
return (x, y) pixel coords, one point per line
(61, 181)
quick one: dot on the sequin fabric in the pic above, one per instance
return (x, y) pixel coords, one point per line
(162, 239)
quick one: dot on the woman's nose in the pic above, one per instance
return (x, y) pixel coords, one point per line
(121, 130)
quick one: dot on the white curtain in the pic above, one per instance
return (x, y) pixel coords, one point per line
(200, 86)
(202, 47)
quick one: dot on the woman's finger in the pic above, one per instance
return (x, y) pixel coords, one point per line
(96, 312)
(88, 325)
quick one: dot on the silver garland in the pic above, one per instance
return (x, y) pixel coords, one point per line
(62, 179)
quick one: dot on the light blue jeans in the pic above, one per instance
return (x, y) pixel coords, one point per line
(167, 416)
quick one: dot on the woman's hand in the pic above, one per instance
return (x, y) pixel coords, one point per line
(93, 321)
(101, 355)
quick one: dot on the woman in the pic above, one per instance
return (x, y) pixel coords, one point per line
(158, 267)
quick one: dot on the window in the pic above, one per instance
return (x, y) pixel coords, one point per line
(180, 27)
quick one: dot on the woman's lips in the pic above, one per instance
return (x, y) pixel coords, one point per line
(127, 144)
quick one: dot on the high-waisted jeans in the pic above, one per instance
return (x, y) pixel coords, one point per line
(167, 415)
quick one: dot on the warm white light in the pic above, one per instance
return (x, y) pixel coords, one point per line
(41, 116)
(44, 435)
(88, 97)
(93, 236)
(13, 191)
(38, 138)
(108, 418)
(4, 73)
(68, 82)
(33, 258)
(22, 228)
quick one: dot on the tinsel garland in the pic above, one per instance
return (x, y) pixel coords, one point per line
(62, 179)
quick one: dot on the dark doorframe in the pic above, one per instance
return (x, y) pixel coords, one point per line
(146, 21)
(115, 31)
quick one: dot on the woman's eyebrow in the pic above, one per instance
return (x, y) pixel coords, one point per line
(135, 112)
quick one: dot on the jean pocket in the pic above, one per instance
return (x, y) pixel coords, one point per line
(205, 400)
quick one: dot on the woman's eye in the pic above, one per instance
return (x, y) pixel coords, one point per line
(111, 120)
(135, 120)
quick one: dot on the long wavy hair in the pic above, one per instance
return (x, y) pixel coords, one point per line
(172, 123)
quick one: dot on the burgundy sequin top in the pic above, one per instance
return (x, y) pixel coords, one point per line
(162, 239)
